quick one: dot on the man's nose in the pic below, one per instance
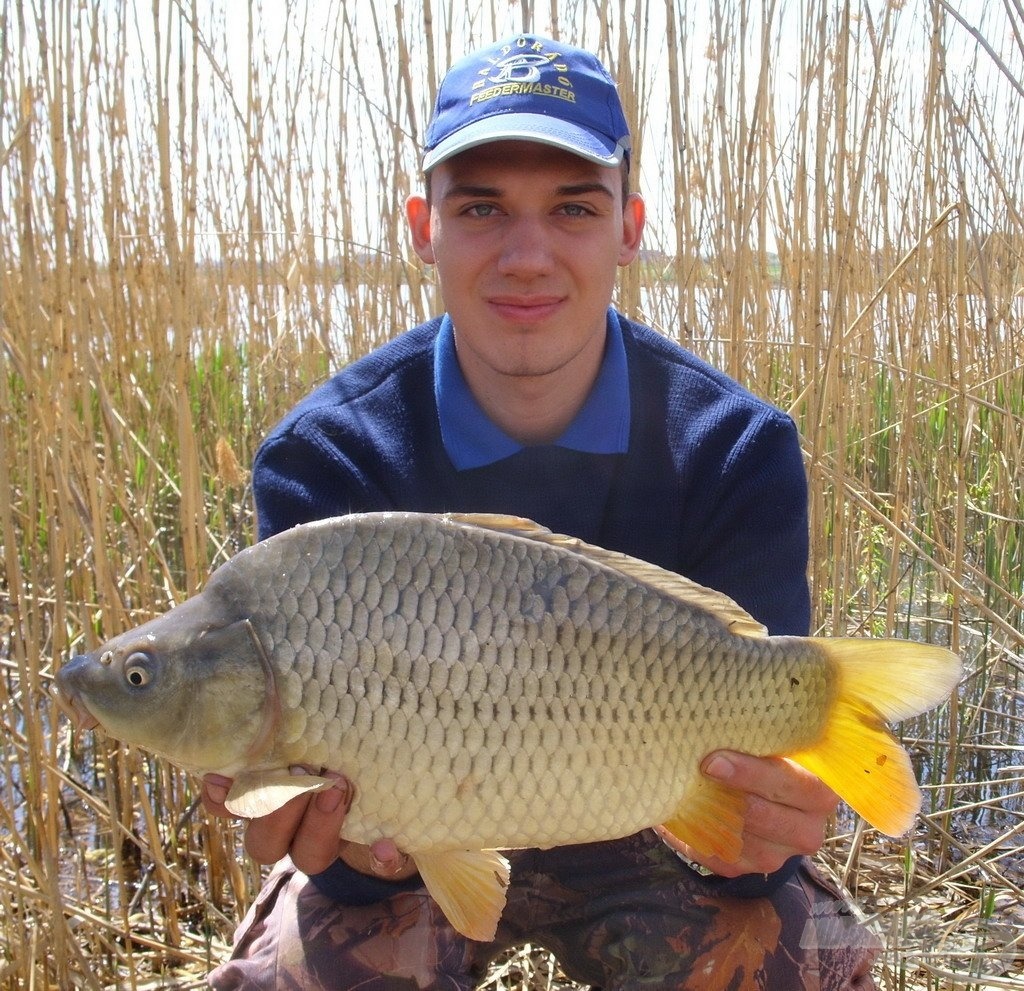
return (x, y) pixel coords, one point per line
(527, 249)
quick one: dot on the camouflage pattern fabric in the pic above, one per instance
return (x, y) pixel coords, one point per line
(626, 914)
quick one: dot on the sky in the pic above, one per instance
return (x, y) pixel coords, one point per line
(344, 42)
(342, 90)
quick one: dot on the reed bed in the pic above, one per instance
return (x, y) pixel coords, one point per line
(201, 218)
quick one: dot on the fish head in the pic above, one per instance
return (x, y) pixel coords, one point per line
(188, 686)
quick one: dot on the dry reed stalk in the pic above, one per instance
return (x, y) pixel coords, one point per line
(192, 239)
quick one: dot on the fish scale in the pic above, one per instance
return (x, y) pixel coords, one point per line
(486, 684)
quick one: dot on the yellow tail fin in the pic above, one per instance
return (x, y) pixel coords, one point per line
(879, 681)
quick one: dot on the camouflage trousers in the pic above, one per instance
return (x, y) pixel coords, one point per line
(619, 915)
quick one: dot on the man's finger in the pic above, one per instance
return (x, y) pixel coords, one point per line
(382, 859)
(774, 779)
(388, 861)
(215, 793)
(269, 838)
(314, 845)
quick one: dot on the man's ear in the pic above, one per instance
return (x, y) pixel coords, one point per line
(634, 216)
(417, 214)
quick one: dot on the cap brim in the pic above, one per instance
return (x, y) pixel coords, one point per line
(528, 127)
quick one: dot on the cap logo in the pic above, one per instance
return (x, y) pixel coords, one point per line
(520, 73)
(523, 68)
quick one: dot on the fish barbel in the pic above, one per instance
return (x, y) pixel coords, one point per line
(487, 684)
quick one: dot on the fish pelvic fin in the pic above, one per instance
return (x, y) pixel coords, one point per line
(468, 886)
(856, 756)
(710, 820)
(258, 793)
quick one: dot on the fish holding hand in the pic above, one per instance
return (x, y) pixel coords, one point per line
(486, 684)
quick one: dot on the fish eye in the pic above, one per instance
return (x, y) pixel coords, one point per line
(136, 669)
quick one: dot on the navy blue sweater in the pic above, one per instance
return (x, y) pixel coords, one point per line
(712, 485)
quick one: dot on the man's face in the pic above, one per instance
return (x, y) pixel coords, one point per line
(526, 240)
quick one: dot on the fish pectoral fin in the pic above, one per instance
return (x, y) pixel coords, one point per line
(469, 886)
(261, 792)
(710, 820)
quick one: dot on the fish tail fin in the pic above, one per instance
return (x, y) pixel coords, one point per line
(878, 681)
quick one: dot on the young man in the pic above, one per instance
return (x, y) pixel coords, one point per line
(531, 396)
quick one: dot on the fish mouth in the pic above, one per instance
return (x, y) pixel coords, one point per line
(75, 709)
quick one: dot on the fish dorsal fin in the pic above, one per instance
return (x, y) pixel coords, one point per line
(733, 616)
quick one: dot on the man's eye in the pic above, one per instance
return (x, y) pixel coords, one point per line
(481, 210)
(575, 210)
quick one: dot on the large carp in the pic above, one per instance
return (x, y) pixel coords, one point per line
(486, 684)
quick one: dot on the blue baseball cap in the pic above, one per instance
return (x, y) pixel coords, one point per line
(529, 88)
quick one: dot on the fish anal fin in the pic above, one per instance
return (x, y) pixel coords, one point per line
(469, 886)
(710, 820)
(258, 793)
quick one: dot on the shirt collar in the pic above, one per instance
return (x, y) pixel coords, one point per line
(472, 440)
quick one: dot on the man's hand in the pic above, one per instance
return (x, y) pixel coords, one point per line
(786, 813)
(307, 829)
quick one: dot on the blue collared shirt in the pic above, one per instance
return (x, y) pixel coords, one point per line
(472, 440)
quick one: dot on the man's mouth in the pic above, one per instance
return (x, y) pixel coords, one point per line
(526, 307)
